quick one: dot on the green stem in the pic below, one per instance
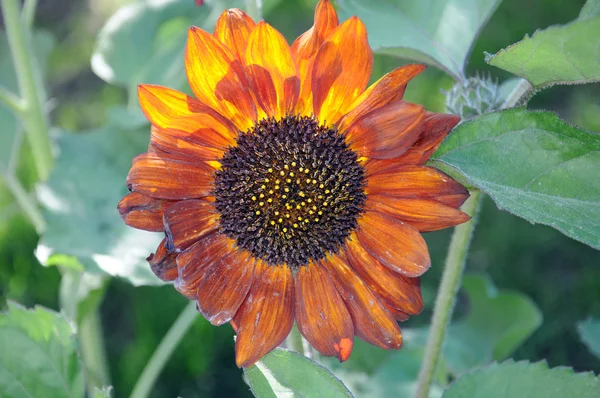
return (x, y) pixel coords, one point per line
(93, 353)
(25, 201)
(164, 350)
(449, 285)
(13, 102)
(454, 267)
(28, 13)
(296, 342)
(34, 119)
(254, 9)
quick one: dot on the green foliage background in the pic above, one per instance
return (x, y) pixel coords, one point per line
(559, 274)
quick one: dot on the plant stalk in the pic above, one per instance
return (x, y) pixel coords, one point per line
(449, 285)
(27, 204)
(296, 342)
(254, 9)
(31, 90)
(93, 353)
(164, 350)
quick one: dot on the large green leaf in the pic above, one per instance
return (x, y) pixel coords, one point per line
(557, 55)
(590, 9)
(523, 379)
(590, 334)
(39, 356)
(80, 201)
(534, 165)
(437, 32)
(283, 373)
(496, 325)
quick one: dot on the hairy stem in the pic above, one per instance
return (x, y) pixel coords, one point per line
(31, 90)
(164, 350)
(296, 342)
(449, 285)
(93, 352)
(26, 202)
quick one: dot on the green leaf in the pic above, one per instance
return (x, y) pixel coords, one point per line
(80, 201)
(522, 379)
(144, 42)
(496, 325)
(39, 356)
(557, 55)
(589, 331)
(534, 165)
(590, 9)
(286, 373)
(437, 32)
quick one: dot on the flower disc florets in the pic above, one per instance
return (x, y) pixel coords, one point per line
(290, 191)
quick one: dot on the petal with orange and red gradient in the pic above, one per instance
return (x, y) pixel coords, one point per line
(389, 88)
(193, 262)
(397, 245)
(224, 287)
(232, 29)
(412, 182)
(163, 263)
(321, 314)
(218, 79)
(267, 315)
(305, 48)
(341, 71)
(143, 212)
(397, 291)
(388, 131)
(372, 321)
(424, 214)
(201, 145)
(271, 71)
(188, 221)
(161, 104)
(169, 177)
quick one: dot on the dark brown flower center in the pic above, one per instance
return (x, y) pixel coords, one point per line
(290, 191)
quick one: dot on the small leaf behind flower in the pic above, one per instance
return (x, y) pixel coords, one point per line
(589, 331)
(523, 379)
(283, 373)
(534, 165)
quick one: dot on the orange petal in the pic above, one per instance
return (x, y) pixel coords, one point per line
(423, 214)
(304, 51)
(453, 200)
(200, 145)
(218, 79)
(388, 131)
(271, 70)
(372, 321)
(394, 243)
(192, 263)
(163, 263)
(412, 182)
(397, 291)
(188, 221)
(390, 88)
(232, 29)
(224, 287)
(267, 315)
(321, 314)
(437, 126)
(161, 104)
(341, 70)
(398, 315)
(169, 177)
(142, 212)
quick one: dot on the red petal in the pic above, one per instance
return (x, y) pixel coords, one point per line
(232, 29)
(188, 221)
(321, 314)
(372, 321)
(395, 244)
(397, 291)
(267, 315)
(143, 212)
(169, 177)
(163, 263)
(224, 287)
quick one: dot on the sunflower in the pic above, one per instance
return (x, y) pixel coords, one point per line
(289, 191)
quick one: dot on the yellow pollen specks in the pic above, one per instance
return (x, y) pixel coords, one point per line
(254, 198)
(267, 180)
(263, 187)
(284, 230)
(257, 212)
(261, 203)
(270, 200)
(276, 213)
(285, 166)
(280, 220)
(271, 192)
(282, 173)
(276, 187)
(286, 189)
(321, 186)
(293, 164)
(262, 195)
(314, 181)
(272, 222)
(287, 215)
(306, 171)
(295, 225)
(270, 170)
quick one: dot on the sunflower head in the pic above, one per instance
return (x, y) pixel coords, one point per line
(289, 191)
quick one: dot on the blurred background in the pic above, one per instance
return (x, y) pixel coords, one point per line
(560, 275)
